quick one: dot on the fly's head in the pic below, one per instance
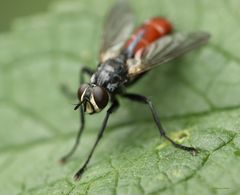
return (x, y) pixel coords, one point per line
(93, 98)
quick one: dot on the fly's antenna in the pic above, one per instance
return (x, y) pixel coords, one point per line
(78, 105)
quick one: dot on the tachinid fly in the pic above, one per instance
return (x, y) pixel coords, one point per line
(124, 58)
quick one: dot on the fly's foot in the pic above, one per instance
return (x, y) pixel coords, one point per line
(78, 175)
(193, 151)
(62, 160)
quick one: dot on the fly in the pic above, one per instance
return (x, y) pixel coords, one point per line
(124, 58)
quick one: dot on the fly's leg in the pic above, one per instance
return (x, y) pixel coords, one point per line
(85, 71)
(82, 119)
(65, 89)
(74, 147)
(144, 100)
(111, 109)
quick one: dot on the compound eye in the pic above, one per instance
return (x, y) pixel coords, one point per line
(100, 96)
(81, 90)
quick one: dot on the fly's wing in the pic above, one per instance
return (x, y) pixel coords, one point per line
(117, 29)
(165, 49)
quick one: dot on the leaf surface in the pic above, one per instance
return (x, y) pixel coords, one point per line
(197, 97)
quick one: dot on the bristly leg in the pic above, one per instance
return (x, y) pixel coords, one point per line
(111, 109)
(66, 91)
(82, 124)
(85, 71)
(144, 100)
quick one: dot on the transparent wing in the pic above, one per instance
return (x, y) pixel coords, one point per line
(117, 29)
(166, 49)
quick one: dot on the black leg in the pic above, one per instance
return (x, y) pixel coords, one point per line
(85, 71)
(82, 118)
(112, 108)
(142, 99)
(82, 124)
(65, 89)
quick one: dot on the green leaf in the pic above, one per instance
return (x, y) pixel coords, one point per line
(197, 97)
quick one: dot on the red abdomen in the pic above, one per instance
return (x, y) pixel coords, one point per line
(147, 33)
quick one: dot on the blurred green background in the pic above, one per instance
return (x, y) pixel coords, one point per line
(11, 9)
(196, 96)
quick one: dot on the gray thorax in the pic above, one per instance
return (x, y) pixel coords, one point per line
(110, 74)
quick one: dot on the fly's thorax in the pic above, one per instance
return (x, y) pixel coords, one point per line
(93, 98)
(110, 74)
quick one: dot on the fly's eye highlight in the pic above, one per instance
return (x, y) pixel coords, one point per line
(81, 90)
(100, 96)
